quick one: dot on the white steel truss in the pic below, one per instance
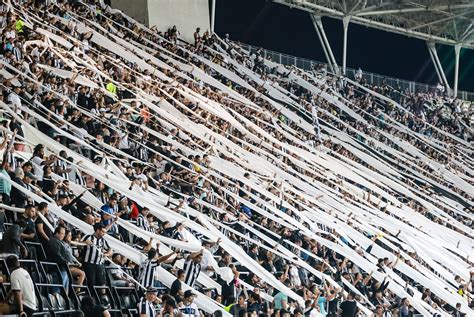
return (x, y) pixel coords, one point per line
(448, 22)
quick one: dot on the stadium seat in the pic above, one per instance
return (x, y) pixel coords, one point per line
(54, 298)
(75, 299)
(32, 267)
(39, 250)
(6, 225)
(104, 296)
(52, 273)
(127, 297)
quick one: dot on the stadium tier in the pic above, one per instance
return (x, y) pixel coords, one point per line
(146, 176)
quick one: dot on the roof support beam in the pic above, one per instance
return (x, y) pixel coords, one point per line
(437, 64)
(417, 9)
(457, 51)
(467, 32)
(372, 7)
(403, 31)
(441, 20)
(345, 24)
(307, 6)
(318, 26)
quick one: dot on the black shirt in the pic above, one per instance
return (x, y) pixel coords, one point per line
(175, 288)
(349, 308)
(11, 240)
(29, 229)
(46, 230)
(96, 311)
(228, 289)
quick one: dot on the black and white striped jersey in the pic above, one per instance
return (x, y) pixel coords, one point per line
(94, 253)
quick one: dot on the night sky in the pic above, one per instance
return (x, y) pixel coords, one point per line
(290, 31)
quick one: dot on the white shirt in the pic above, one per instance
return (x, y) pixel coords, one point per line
(21, 281)
(123, 144)
(10, 34)
(315, 313)
(206, 261)
(294, 276)
(15, 100)
(37, 167)
(190, 310)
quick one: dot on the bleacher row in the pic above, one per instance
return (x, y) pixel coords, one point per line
(53, 299)
(337, 187)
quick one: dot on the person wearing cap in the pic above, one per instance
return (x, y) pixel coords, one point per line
(146, 305)
(189, 308)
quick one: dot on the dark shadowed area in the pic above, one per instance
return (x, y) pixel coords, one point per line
(280, 28)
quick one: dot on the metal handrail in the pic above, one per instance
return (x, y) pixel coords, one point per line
(371, 78)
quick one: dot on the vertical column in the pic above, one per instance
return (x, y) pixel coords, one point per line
(440, 79)
(318, 32)
(457, 51)
(213, 14)
(328, 46)
(345, 24)
(438, 66)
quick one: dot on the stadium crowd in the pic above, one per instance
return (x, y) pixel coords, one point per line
(113, 126)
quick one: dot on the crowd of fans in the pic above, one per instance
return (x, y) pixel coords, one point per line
(149, 150)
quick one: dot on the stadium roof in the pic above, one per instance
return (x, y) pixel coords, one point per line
(440, 21)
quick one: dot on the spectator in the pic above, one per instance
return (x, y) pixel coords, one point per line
(207, 256)
(146, 305)
(349, 306)
(94, 256)
(90, 309)
(11, 241)
(43, 230)
(119, 279)
(240, 308)
(192, 267)
(189, 308)
(18, 197)
(5, 180)
(281, 299)
(176, 288)
(169, 308)
(22, 291)
(78, 275)
(29, 233)
(39, 161)
(142, 220)
(58, 252)
(109, 213)
(149, 267)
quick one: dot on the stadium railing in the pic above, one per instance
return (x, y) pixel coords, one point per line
(371, 78)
